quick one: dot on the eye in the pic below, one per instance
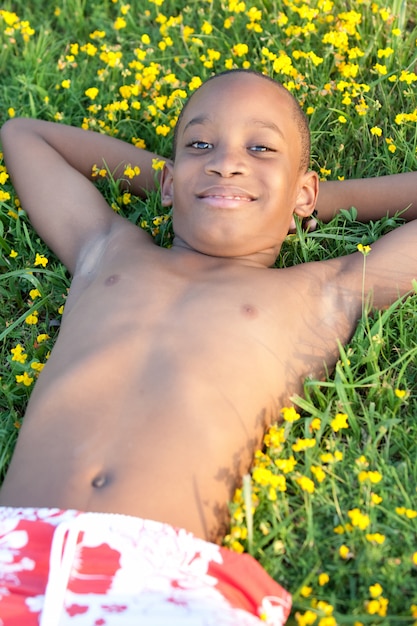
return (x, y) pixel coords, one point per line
(200, 145)
(261, 148)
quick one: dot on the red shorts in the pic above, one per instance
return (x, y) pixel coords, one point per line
(69, 568)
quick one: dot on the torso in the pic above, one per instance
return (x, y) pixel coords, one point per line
(168, 367)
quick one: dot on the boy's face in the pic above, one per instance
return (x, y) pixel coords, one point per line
(236, 183)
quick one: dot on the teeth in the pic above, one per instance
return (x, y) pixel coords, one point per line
(232, 197)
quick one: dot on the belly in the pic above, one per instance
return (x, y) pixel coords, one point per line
(172, 450)
(154, 421)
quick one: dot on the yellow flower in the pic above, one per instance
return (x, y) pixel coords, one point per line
(89, 49)
(315, 423)
(306, 619)
(400, 393)
(381, 69)
(306, 591)
(358, 519)
(98, 34)
(11, 112)
(263, 476)
(414, 558)
(96, 171)
(329, 620)
(344, 552)
(66, 84)
(375, 538)
(402, 510)
(375, 498)
(373, 477)
(91, 93)
(323, 579)
(236, 546)
(130, 172)
(289, 414)
(236, 6)
(376, 130)
(318, 472)
(342, 119)
(365, 250)
(37, 366)
(303, 444)
(19, 354)
(163, 129)
(385, 14)
(158, 164)
(274, 437)
(407, 77)
(120, 23)
(195, 83)
(362, 460)
(34, 293)
(286, 465)
(25, 379)
(206, 28)
(377, 606)
(13, 254)
(306, 484)
(41, 338)
(328, 457)
(240, 49)
(40, 259)
(32, 318)
(340, 421)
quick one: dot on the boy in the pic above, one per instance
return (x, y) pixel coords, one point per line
(171, 363)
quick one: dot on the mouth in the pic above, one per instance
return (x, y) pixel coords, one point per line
(225, 196)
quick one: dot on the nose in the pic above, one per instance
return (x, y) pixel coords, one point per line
(226, 161)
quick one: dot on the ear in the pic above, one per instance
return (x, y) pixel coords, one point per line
(167, 184)
(307, 195)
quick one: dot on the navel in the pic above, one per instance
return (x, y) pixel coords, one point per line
(112, 280)
(100, 481)
(249, 310)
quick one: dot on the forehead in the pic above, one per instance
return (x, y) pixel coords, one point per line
(240, 97)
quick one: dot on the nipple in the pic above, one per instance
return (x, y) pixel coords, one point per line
(249, 310)
(112, 280)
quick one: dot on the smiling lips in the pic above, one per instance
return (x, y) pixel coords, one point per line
(223, 196)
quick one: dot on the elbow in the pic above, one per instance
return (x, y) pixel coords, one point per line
(9, 128)
(15, 124)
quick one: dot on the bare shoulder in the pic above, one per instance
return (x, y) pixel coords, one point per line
(321, 298)
(379, 274)
(123, 236)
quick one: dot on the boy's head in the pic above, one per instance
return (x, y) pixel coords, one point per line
(240, 172)
(300, 117)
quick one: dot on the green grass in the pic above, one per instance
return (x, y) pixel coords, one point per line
(360, 77)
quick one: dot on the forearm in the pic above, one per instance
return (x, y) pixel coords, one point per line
(84, 149)
(372, 197)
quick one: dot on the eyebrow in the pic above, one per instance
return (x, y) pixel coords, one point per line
(269, 125)
(201, 119)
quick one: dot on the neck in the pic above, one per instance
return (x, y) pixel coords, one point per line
(262, 258)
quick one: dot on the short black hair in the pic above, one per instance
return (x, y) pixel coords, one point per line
(299, 116)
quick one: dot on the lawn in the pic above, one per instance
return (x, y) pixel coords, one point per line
(330, 507)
